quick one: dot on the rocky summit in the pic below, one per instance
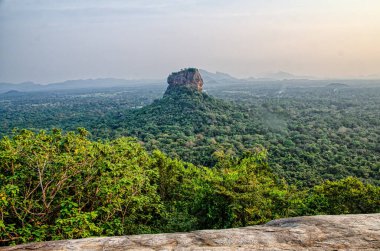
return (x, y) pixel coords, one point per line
(338, 232)
(188, 78)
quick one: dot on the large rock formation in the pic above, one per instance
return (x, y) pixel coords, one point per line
(344, 232)
(189, 78)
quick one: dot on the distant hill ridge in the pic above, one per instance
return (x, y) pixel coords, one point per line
(337, 85)
(77, 84)
(211, 79)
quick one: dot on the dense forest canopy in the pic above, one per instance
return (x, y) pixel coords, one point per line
(230, 156)
(56, 185)
(311, 133)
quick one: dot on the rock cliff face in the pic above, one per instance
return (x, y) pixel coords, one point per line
(344, 232)
(190, 78)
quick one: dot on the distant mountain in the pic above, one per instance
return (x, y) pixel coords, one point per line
(12, 92)
(337, 85)
(281, 75)
(76, 84)
(212, 80)
(99, 83)
(371, 76)
(25, 86)
(218, 77)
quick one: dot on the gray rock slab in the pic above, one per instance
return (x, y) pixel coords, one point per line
(327, 232)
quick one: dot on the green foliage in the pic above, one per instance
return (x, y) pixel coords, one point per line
(345, 196)
(184, 123)
(62, 186)
(251, 192)
(311, 133)
(56, 186)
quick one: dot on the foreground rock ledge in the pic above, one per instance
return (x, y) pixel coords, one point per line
(343, 232)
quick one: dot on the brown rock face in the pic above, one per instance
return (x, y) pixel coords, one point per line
(190, 78)
(329, 232)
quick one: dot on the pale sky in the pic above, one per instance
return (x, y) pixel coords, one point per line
(55, 40)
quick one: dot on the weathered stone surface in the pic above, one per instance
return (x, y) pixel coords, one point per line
(190, 78)
(344, 232)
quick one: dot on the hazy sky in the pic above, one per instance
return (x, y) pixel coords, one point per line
(54, 40)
